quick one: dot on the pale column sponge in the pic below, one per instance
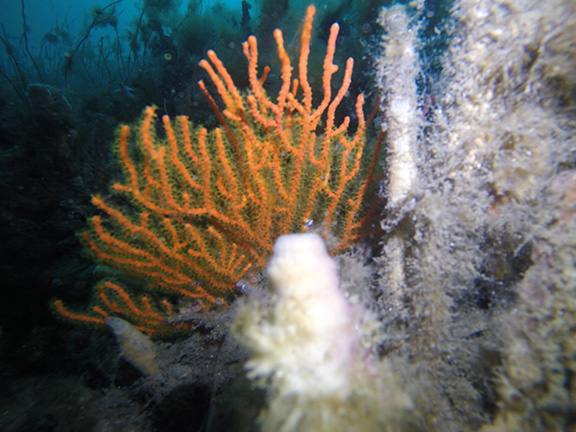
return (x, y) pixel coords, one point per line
(313, 323)
(305, 348)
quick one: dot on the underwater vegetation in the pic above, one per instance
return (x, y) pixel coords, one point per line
(409, 270)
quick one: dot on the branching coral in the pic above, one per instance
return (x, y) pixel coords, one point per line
(206, 207)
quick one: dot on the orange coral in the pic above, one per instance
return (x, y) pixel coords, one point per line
(206, 207)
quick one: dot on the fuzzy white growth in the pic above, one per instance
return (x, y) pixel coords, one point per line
(308, 345)
(398, 71)
(501, 134)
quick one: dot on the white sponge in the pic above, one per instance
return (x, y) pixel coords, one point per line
(305, 349)
(312, 330)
